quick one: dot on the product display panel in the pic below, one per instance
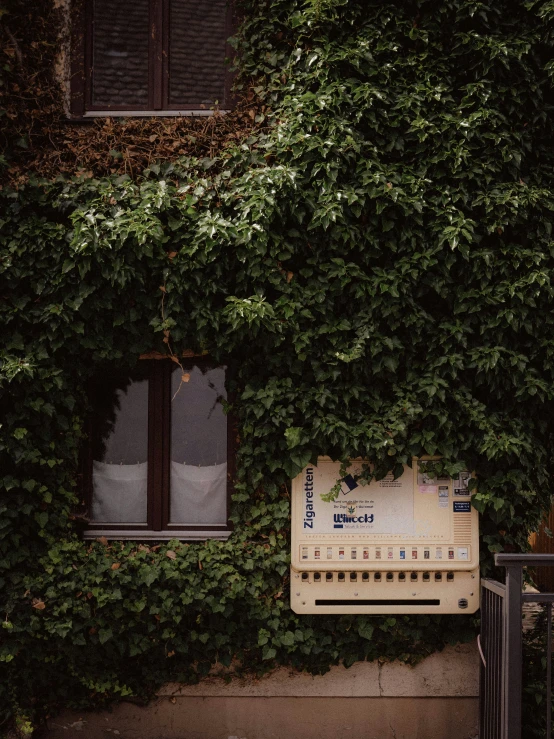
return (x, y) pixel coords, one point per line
(404, 545)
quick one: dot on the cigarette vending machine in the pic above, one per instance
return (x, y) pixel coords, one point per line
(405, 545)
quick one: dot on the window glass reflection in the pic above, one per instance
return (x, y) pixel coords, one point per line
(198, 491)
(120, 450)
(197, 35)
(120, 53)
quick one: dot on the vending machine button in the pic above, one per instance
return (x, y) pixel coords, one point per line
(305, 576)
(353, 577)
(365, 576)
(341, 576)
(329, 576)
(426, 577)
(450, 576)
(317, 576)
(413, 576)
(377, 576)
(390, 577)
(438, 576)
(402, 576)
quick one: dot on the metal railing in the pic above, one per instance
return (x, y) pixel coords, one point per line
(501, 647)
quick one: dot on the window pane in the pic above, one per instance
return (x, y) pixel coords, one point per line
(120, 450)
(197, 36)
(198, 447)
(120, 53)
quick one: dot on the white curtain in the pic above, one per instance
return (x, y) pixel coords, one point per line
(198, 494)
(119, 492)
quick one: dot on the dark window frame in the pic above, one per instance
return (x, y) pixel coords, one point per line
(158, 372)
(81, 107)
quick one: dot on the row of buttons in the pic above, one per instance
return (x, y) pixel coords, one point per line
(388, 553)
(376, 576)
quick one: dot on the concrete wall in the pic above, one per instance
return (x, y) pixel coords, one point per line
(437, 699)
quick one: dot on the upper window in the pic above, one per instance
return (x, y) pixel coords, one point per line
(150, 57)
(158, 459)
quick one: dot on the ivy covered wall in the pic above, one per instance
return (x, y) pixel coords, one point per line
(373, 261)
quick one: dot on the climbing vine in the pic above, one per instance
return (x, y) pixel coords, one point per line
(373, 262)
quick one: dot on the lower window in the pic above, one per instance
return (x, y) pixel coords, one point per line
(158, 465)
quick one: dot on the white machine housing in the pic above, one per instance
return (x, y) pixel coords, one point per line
(405, 545)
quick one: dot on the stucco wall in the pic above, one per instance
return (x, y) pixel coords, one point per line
(437, 699)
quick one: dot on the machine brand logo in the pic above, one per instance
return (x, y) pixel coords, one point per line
(309, 512)
(339, 519)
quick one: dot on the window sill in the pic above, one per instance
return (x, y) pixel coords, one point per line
(141, 535)
(148, 113)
